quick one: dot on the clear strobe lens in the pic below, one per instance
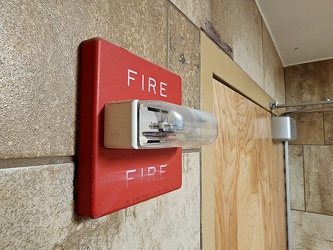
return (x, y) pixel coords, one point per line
(162, 125)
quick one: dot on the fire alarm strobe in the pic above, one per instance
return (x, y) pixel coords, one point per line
(131, 129)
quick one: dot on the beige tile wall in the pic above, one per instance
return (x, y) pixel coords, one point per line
(39, 83)
(240, 25)
(273, 72)
(318, 177)
(311, 157)
(328, 127)
(39, 69)
(244, 34)
(253, 47)
(297, 173)
(305, 135)
(37, 213)
(312, 231)
(198, 11)
(184, 56)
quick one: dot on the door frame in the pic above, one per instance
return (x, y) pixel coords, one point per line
(216, 64)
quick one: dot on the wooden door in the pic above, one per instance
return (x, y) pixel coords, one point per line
(249, 176)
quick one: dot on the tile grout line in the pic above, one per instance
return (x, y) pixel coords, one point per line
(310, 212)
(168, 36)
(35, 161)
(324, 130)
(303, 168)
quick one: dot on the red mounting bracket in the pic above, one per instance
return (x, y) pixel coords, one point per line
(112, 179)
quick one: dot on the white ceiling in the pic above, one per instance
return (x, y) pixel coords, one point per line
(302, 30)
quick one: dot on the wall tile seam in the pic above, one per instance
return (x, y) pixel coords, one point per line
(303, 170)
(298, 210)
(285, 84)
(187, 19)
(324, 128)
(191, 150)
(309, 212)
(262, 54)
(312, 145)
(168, 35)
(56, 160)
(315, 145)
(183, 14)
(32, 162)
(323, 121)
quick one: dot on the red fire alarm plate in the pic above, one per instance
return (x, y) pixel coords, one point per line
(112, 179)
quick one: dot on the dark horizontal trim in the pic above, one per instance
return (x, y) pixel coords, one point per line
(28, 162)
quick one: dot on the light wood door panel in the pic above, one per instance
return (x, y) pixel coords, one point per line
(249, 176)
